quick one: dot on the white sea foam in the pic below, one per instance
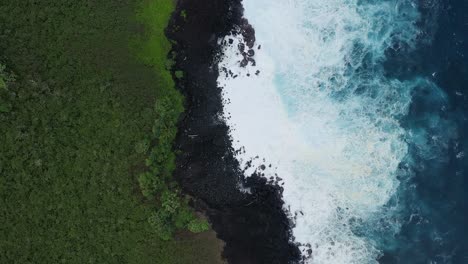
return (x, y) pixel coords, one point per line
(324, 115)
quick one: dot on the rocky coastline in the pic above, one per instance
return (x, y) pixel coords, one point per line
(252, 224)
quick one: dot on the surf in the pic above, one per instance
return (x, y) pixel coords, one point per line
(318, 112)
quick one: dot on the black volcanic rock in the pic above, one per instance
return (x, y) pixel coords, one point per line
(253, 224)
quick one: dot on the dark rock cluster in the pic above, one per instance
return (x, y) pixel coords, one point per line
(246, 213)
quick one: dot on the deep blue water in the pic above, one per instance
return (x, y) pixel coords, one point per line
(361, 108)
(436, 199)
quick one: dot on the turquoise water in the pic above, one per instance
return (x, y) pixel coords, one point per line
(350, 121)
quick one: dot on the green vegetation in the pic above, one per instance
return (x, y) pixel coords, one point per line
(198, 225)
(157, 183)
(86, 133)
(183, 13)
(6, 96)
(179, 74)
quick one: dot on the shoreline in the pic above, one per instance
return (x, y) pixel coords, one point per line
(253, 225)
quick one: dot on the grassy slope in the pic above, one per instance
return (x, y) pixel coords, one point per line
(68, 165)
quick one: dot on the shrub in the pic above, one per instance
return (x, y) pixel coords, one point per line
(198, 225)
(162, 225)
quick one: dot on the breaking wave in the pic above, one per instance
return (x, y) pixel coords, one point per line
(321, 111)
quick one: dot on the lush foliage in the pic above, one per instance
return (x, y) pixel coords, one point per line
(5, 95)
(78, 121)
(198, 225)
(156, 183)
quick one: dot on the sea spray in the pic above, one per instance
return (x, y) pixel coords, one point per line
(317, 107)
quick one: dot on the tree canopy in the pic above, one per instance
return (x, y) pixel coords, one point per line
(87, 125)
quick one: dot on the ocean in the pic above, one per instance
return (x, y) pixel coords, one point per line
(358, 110)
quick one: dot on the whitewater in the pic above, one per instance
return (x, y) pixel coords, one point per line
(320, 112)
